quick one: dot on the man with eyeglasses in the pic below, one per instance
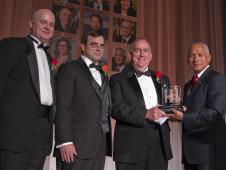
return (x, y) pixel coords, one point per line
(142, 139)
(83, 130)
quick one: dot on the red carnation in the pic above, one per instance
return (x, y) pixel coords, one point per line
(105, 69)
(158, 75)
(54, 61)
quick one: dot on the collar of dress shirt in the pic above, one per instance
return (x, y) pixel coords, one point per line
(86, 60)
(36, 40)
(140, 71)
(200, 74)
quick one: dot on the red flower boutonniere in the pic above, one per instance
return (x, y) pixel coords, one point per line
(105, 69)
(158, 75)
(54, 64)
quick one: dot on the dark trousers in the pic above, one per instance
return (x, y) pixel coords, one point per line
(94, 163)
(154, 158)
(199, 167)
(33, 158)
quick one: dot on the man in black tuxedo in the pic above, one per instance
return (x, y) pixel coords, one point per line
(26, 96)
(202, 122)
(83, 127)
(142, 138)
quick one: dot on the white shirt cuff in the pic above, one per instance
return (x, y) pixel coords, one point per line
(161, 120)
(63, 144)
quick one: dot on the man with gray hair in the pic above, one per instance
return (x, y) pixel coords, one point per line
(202, 122)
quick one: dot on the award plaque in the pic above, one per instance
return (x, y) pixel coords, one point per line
(171, 99)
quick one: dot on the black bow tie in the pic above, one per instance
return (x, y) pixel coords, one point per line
(146, 73)
(45, 48)
(97, 67)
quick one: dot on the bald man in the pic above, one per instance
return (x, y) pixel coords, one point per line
(202, 122)
(26, 96)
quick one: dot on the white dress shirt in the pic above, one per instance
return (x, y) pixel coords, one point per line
(46, 96)
(148, 90)
(149, 94)
(95, 73)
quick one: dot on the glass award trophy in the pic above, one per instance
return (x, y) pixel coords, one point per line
(171, 99)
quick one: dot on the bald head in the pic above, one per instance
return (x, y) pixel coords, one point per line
(132, 46)
(199, 57)
(200, 44)
(42, 25)
(41, 12)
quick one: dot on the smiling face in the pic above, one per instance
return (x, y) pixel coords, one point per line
(141, 55)
(42, 25)
(199, 57)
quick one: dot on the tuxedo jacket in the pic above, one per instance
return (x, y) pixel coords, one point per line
(119, 38)
(205, 104)
(20, 106)
(79, 109)
(128, 108)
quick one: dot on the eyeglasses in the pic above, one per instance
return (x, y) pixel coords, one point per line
(96, 46)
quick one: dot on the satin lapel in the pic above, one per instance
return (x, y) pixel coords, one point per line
(88, 74)
(132, 80)
(189, 91)
(33, 66)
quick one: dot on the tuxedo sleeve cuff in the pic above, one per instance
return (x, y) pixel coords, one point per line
(63, 144)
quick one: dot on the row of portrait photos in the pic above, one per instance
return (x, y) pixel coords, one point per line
(67, 21)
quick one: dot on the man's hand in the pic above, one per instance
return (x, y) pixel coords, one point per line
(154, 114)
(67, 153)
(176, 115)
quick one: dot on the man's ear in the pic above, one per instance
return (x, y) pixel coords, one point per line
(30, 24)
(83, 47)
(209, 58)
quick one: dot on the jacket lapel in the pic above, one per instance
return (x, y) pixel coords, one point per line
(33, 65)
(190, 91)
(88, 74)
(201, 80)
(132, 80)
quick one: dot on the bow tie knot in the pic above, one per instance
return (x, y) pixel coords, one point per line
(44, 47)
(97, 67)
(145, 73)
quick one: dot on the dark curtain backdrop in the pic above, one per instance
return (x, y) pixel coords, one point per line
(170, 26)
